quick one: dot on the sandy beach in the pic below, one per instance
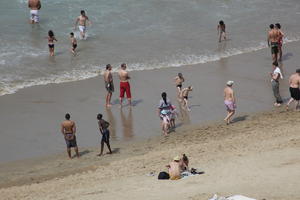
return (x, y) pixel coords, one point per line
(257, 157)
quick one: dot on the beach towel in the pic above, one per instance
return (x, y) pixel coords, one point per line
(235, 197)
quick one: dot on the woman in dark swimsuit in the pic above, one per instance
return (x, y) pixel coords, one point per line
(51, 39)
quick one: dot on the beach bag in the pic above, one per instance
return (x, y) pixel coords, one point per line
(163, 176)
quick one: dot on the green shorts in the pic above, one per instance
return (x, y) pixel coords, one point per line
(274, 47)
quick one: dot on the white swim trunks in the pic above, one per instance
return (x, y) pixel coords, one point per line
(34, 15)
(82, 29)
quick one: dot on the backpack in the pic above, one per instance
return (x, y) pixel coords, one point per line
(163, 176)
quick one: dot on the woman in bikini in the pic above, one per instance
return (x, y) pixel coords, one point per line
(51, 39)
(178, 81)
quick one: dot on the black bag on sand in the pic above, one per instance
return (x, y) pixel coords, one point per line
(163, 176)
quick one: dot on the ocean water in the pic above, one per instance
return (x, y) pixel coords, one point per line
(145, 34)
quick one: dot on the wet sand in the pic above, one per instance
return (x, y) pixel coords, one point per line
(257, 157)
(30, 119)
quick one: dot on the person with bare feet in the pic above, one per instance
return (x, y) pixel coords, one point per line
(185, 96)
(276, 76)
(124, 84)
(280, 42)
(229, 101)
(82, 21)
(164, 113)
(73, 43)
(68, 129)
(35, 6)
(294, 89)
(179, 79)
(103, 127)
(109, 84)
(221, 30)
(51, 39)
(273, 42)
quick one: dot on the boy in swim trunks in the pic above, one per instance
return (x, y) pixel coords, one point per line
(185, 96)
(68, 129)
(124, 84)
(294, 89)
(109, 84)
(73, 43)
(35, 6)
(103, 127)
(221, 30)
(82, 20)
(179, 79)
(229, 101)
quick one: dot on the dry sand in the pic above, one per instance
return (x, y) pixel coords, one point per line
(258, 157)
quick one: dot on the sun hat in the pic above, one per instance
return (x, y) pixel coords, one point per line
(229, 83)
(176, 158)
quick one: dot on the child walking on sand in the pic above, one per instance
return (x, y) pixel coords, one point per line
(74, 43)
(51, 39)
(185, 96)
(178, 81)
(173, 116)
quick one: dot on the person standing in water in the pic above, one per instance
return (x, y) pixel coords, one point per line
(294, 89)
(68, 129)
(73, 43)
(82, 21)
(229, 101)
(276, 76)
(124, 84)
(273, 42)
(51, 39)
(179, 79)
(221, 30)
(109, 84)
(103, 127)
(280, 42)
(35, 6)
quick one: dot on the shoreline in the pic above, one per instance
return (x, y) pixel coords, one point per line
(39, 110)
(262, 150)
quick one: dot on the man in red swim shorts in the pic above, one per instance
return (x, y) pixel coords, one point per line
(124, 84)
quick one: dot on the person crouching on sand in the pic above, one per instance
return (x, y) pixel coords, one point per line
(103, 127)
(175, 168)
(229, 101)
(73, 43)
(51, 39)
(68, 129)
(185, 96)
(276, 76)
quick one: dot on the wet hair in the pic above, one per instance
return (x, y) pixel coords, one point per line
(180, 75)
(275, 63)
(67, 116)
(278, 26)
(164, 97)
(72, 34)
(271, 26)
(123, 65)
(298, 71)
(82, 12)
(221, 22)
(108, 66)
(99, 116)
(50, 33)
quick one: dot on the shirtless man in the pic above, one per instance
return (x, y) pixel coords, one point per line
(278, 27)
(229, 101)
(82, 20)
(175, 168)
(109, 84)
(185, 96)
(124, 84)
(68, 129)
(294, 89)
(35, 6)
(179, 79)
(273, 42)
(221, 30)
